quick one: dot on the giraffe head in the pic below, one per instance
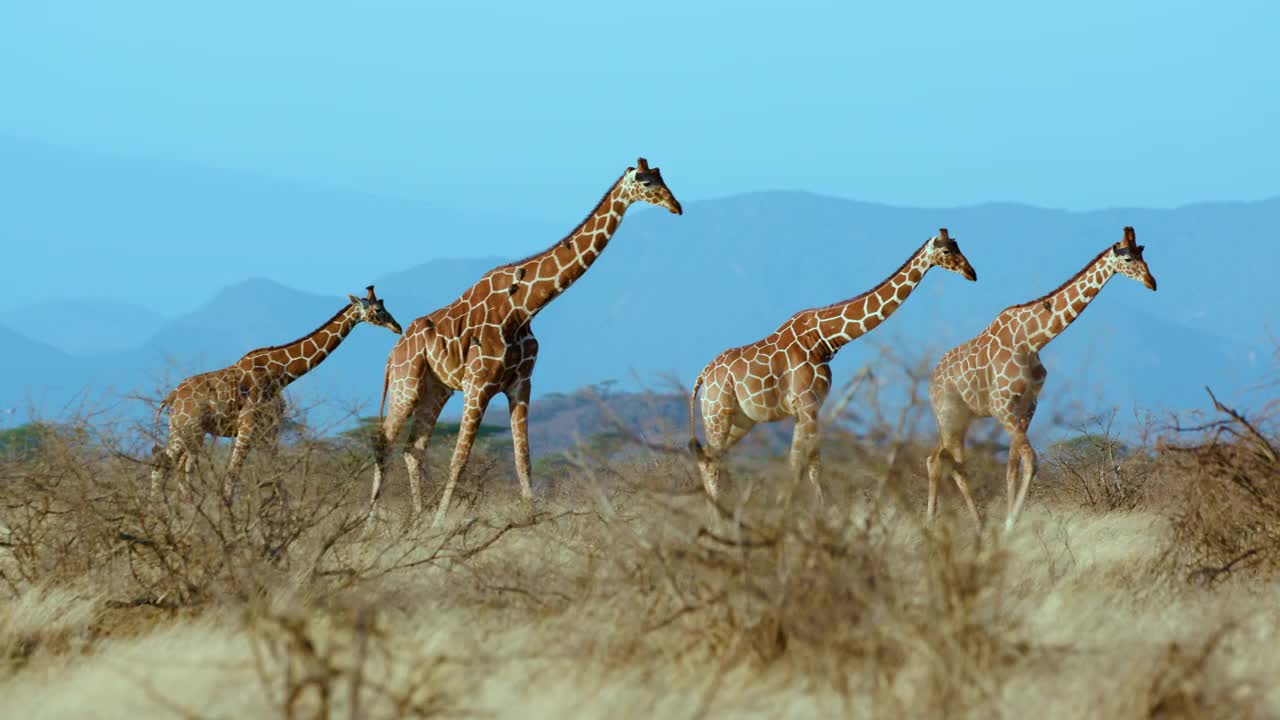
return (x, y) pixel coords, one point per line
(371, 310)
(644, 184)
(945, 253)
(1126, 259)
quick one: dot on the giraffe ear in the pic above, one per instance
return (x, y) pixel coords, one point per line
(354, 300)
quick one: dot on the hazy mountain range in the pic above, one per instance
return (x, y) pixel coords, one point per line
(668, 294)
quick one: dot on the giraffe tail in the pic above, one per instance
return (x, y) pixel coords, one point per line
(694, 446)
(386, 379)
(379, 440)
(155, 425)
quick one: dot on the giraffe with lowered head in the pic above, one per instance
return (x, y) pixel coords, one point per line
(245, 401)
(482, 344)
(788, 374)
(998, 374)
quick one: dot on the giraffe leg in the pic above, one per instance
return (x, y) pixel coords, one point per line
(165, 461)
(722, 434)
(270, 423)
(804, 458)
(192, 449)
(415, 452)
(239, 450)
(963, 486)
(518, 400)
(1026, 462)
(403, 393)
(477, 395)
(953, 419)
(937, 466)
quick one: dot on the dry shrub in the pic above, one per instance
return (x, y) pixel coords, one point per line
(1209, 675)
(1096, 469)
(348, 664)
(86, 511)
(848, 602)
(1227, 517)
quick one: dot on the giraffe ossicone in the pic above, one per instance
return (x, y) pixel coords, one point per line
(481, 344)
(787, 373)
(245, 400)
(998, 374)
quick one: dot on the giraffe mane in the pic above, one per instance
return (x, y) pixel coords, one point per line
(269, 348)
(1069, 280)
(874, 288)
(568, 235)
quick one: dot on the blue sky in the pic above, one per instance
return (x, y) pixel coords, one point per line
(532, 108)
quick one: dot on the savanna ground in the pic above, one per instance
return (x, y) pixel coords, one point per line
(1140, 582)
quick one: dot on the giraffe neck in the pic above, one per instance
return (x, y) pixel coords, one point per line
(1051, 314)
(842, 322)
(541, 278)
(291, 361)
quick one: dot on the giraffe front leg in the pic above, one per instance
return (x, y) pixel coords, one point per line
(477, 397)
(1022, 457)
(518, 400)
(804, 458)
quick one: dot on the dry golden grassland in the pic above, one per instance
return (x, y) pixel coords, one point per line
(1136, 585)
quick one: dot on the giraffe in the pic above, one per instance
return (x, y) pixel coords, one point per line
(244, 401)
(788, 374)
(998, 374)
(482, 344)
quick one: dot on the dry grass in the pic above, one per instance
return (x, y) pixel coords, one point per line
(625, 595)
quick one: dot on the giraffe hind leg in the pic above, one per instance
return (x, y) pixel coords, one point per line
(403, 392)
(415, 452)
(244, 439)
(722, 434)
(947, 459)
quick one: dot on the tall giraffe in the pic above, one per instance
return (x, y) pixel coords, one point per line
(482, 344)
(788, 374)
(998, 373)
(244, 401)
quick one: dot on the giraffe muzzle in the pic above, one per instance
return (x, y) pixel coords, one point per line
(1150, 282)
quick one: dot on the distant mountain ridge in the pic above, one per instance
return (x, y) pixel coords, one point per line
(670, 293)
